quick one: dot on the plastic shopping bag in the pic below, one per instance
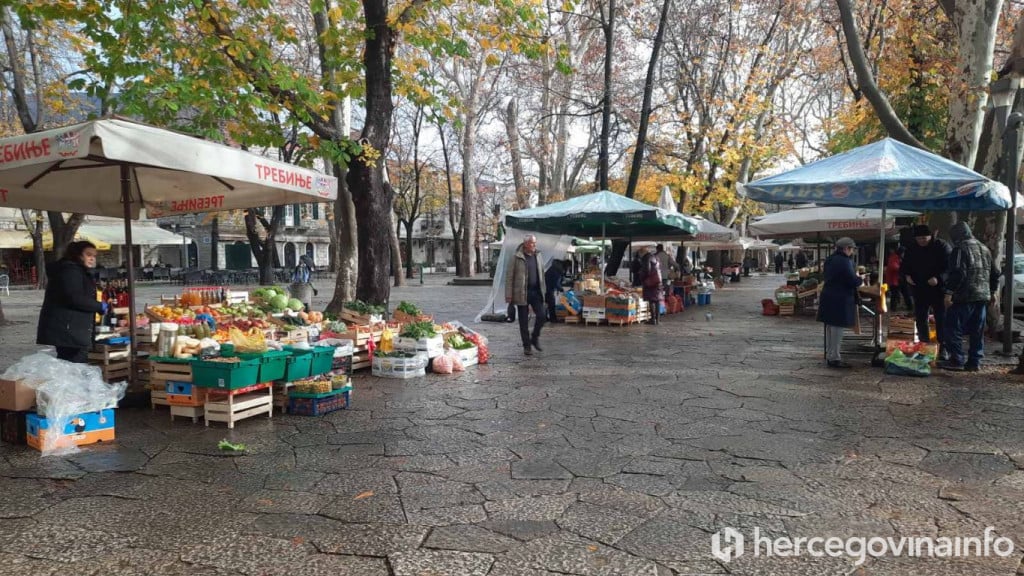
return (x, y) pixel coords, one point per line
(899, 364)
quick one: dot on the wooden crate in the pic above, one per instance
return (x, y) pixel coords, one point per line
(158, 398)
(164, 371)
(350, 317)
(238, 407)
(404, 318)
(786, 309)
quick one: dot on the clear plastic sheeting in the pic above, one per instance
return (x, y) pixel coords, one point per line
(551, 246)
(63, 391)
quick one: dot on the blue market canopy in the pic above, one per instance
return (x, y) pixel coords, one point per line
(603, 214)
(884, 174)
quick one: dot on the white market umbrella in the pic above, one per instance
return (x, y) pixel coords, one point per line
(829, 221)
(710, 234)
(116, 167)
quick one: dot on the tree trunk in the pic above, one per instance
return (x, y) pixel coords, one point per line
(456, 230)
(468, 197)
(214, 243)
(34, 223)
(345, 243)
(512, 129)
(409, 273)
(866, 80)
(976, 22)
(63, 230)
(264, 249)
(396, 253)
(619, 246)
(370, 194)
(608, 25)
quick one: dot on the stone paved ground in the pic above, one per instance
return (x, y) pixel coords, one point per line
(614, 452)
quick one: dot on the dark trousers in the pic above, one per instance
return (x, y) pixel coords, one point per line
(76, 355)
(929, 298)
(535, 301)
(967, 319)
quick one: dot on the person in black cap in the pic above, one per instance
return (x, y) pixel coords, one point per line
(924, 269)
(837, 307)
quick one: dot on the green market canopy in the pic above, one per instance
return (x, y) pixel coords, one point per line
(603, 215)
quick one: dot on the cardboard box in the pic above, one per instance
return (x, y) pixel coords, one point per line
(16, 396)
(81, 430)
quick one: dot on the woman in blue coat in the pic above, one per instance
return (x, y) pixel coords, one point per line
(837, 307)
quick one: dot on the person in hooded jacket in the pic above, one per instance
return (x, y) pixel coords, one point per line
(67, 318)
(971, 285)
(837, 306)
(924, 268)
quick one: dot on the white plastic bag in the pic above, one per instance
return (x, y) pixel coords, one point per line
(63, 391)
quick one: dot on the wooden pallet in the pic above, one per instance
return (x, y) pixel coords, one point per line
(786, 309)
(193, 412)
(623, 321)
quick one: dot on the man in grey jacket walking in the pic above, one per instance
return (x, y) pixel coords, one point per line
(524, 287)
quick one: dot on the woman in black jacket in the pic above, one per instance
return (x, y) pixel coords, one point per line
(67, 319)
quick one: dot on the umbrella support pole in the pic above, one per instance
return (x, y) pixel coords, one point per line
(126, 201)
(879, 320)
(604, 258)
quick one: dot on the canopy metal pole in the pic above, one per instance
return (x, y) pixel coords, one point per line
(126, 201)
(879, 267)
(604, 258)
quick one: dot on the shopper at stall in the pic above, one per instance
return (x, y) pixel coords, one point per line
(971, 284)
(650, 277)
(924, 269)
(553, 285)
(667, 265)
(68, 316)
(837, 307)
(892, 277)
(524, 287)
(801, 260)
(778, 262)
(792, 263)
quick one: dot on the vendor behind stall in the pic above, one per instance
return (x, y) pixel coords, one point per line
(67, 319)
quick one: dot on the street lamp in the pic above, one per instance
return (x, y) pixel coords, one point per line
(1004, 92)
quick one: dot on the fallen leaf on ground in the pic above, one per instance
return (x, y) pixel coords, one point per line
(363, 495)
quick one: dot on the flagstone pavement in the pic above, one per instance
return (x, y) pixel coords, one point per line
(614, 451)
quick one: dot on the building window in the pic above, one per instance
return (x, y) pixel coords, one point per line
(289, 215)
(316, 211)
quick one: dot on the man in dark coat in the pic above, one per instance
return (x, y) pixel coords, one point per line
(971, 284)
(68, 315)
(837, 307)
(924, 269)
(801, 260)
(553, 285)
(778, 263)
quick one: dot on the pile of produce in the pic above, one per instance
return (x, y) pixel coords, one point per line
(418, 330)
(272, 299)
(483, 355)
(360, 307)
(458, 342)
(409, 308)
(172, 313)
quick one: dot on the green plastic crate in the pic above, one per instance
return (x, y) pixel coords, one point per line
(272, 363)
(323, 360)
(225, 375)
(297, 365)
(322, 395)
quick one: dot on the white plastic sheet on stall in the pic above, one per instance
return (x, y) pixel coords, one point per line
(63, 391)
(551, 246)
